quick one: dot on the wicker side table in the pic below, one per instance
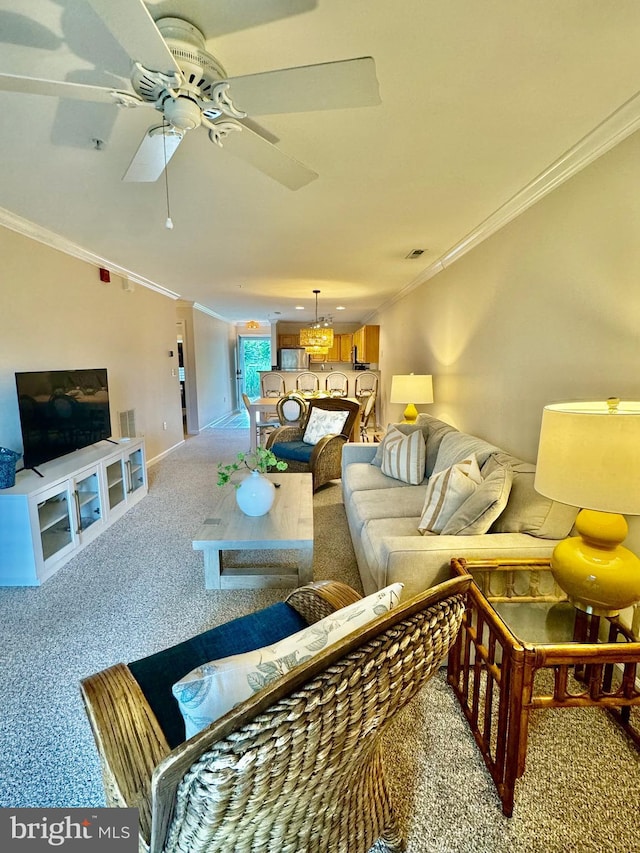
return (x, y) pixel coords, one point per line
(522, 647)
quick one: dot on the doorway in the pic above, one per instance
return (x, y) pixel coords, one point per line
(254, 355)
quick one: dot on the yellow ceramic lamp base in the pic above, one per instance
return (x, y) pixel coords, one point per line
(598, 574)
(410, 414)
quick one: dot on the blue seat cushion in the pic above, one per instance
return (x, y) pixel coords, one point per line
(157, 673)
(300, 451)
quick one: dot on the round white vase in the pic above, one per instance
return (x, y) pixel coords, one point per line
(255, 494)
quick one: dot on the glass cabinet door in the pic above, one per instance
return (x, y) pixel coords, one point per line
(135, 466)
(55, 520)
(115, 483)
(88, 502)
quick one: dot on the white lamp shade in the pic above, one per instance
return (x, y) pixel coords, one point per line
(412, 388)
(589, 456)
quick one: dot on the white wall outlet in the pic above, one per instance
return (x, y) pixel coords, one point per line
(164, 424)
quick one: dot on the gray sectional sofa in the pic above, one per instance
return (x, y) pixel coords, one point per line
(384, 513)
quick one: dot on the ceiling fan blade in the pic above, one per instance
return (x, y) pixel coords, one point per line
(156, 149)
(327, 86)
(60, 89)
(133, 27)
(259, 152)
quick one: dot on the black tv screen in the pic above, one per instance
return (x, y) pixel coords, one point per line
(61, 411)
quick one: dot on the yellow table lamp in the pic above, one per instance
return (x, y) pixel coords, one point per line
(589, 457)
(411, 388)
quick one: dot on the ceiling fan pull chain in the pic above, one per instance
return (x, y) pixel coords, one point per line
(169, 221)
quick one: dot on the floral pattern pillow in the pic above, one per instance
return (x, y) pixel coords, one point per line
(209, 691)
(323, 422)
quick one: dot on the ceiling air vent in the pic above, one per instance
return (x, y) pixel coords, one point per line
(415, 253)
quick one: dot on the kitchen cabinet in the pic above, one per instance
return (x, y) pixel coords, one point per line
(47, 520)
(341, 349)
(367, 341)
(346, 347)
(287, 341)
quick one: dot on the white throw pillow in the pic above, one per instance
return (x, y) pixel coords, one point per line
(446, 492)
(482, 508)
(404, 456)
(323, 422)
(211, 690)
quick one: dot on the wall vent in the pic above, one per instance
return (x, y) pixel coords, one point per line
(127, 423)
(415, 253)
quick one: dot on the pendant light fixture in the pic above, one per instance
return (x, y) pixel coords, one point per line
(317, 339)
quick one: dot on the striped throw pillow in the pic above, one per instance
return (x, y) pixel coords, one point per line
(446, 492)
(404, 456)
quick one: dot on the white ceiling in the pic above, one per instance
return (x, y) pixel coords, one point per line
(478, 98)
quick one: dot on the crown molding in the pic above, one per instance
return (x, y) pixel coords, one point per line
(203, 308)
(609, 133)
(16, 223)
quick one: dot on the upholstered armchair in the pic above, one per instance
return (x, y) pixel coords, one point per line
(315, 445)
(296, 767)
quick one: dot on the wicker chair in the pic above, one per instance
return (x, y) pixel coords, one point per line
(294, 769)
(307, 382)
(272, 385)
(291, 409)
(366, 383)
(367, 414)
(324, 459)
(337, 384)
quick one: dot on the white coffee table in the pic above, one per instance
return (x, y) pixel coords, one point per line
(287, 525)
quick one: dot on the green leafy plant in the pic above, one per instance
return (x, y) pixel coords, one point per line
(261, 459)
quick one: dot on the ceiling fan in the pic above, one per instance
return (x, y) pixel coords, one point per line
(173, 73)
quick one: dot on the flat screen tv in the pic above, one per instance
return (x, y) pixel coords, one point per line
(61, 411)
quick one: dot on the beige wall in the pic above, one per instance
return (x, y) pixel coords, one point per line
(57, 314)
(214, 352)
(209, 346)
(548, 309)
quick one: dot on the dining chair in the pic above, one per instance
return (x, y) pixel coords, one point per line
(337, 384)
(296, 768)
(366, 383)
(291, 409)
(272, 385)
(368, 411)
(307, 381)
(263, 427)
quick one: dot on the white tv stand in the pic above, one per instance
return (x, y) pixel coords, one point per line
(46, 520)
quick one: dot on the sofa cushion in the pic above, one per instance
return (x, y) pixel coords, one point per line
(456, 446)
(436, 431)
(404, 456)
(362, 476)
(480, 510)
(527, 511)
(446, 492)
(211, 690)
(404, 502)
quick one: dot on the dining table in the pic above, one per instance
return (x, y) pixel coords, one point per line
(267, 405)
